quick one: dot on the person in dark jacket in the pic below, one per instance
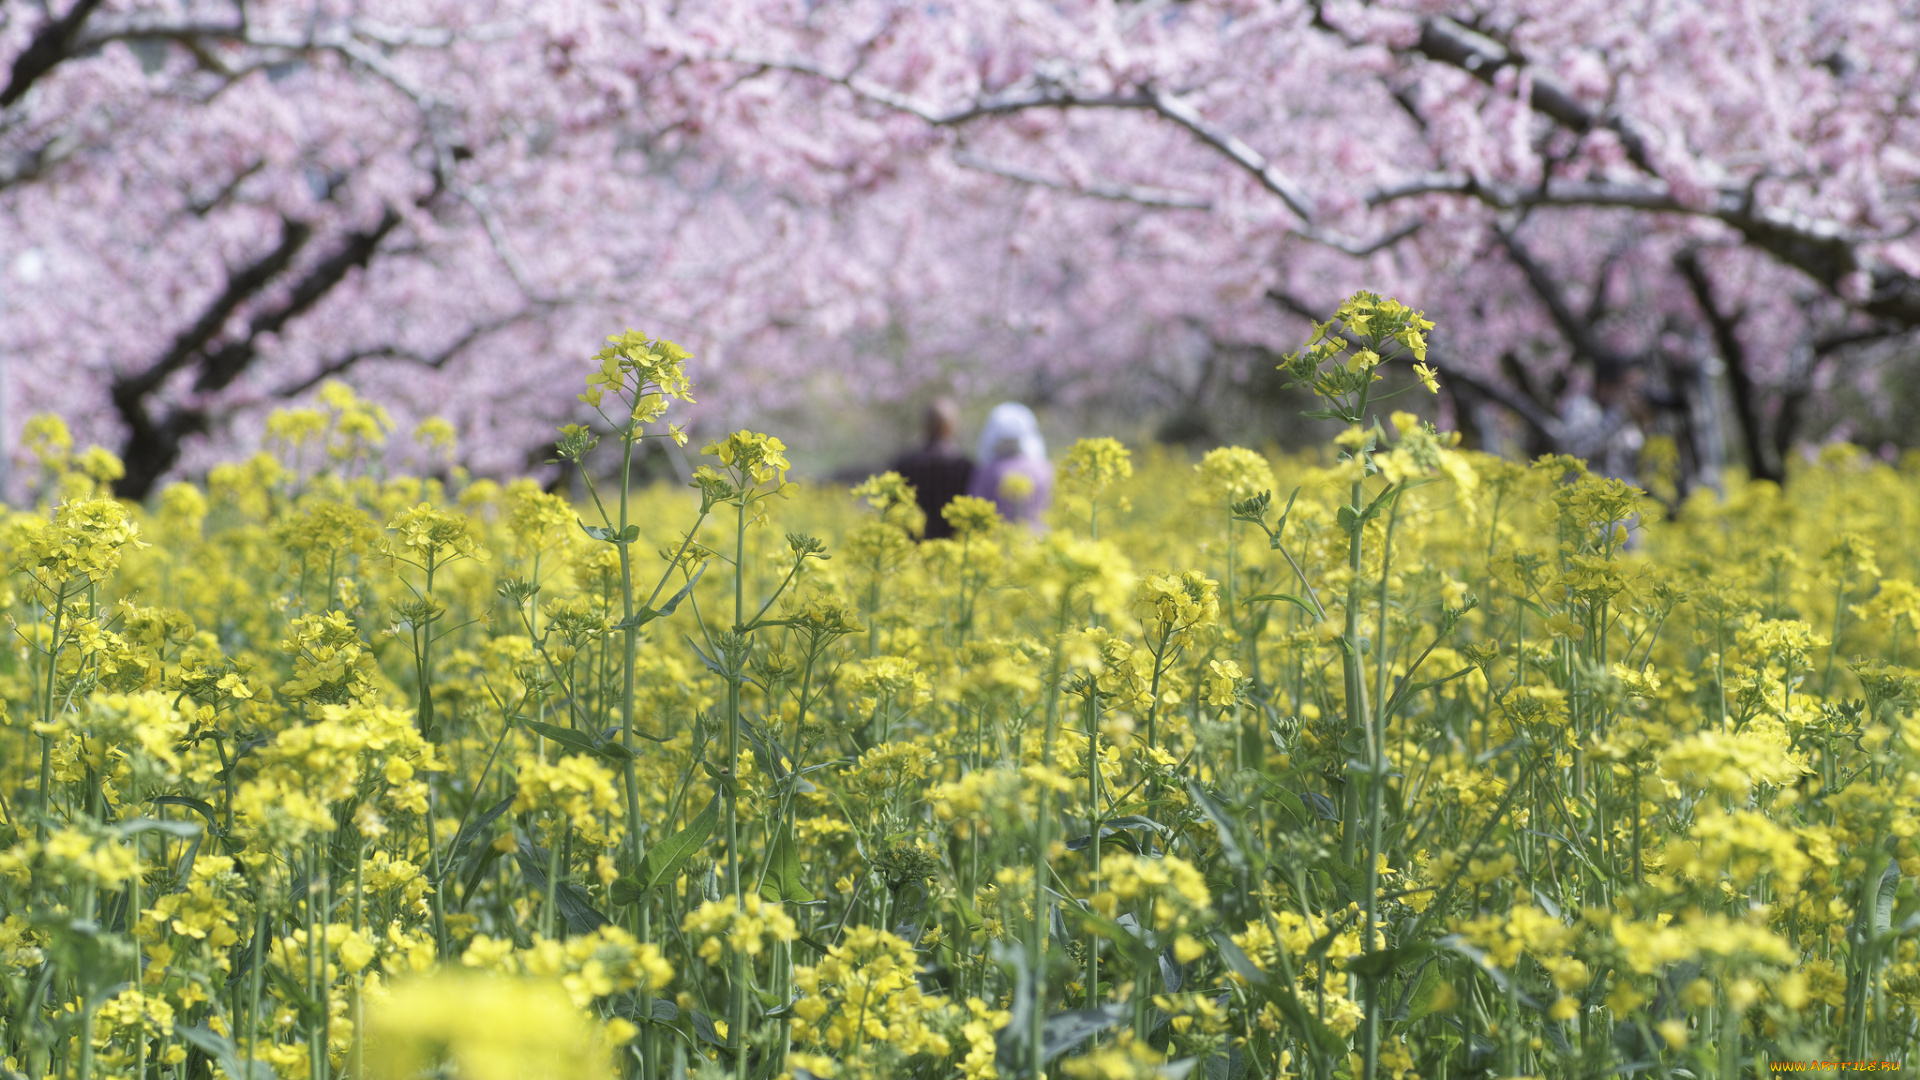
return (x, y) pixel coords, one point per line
(938, 470)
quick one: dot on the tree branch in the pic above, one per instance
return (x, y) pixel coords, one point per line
(1235, 150)
(30, 164)
(1822, 250)
(341, 364)
(1793, 398)
(52, 44)
(1046, 95)
(1733, 352)
(1837, 340)
(129, 390)
(1128, 193)
(1448, 42)
(1019, 99)
(1578, 333)
(153, 441)
(1542, 422)
(218, 370)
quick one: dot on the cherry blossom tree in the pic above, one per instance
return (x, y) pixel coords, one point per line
(1597, 197)
(212, 208)
(208, 208)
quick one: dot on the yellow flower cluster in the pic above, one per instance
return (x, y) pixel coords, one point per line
(576, 787)
(590, 967)
(746, 926)
(866, 991)
(1401, 760)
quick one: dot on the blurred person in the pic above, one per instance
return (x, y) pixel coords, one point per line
(1014, 471)
(939, 470)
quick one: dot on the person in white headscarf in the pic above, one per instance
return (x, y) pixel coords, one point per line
(1012, 468)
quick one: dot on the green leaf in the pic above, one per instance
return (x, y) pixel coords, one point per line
(1382, 501)
(1064, 1031)
(1309, 1027)
(782, 879)
(612, 535)
(465, 837)
(1229, 844)
(579, 740)
(613, 750)
(704, 1029)
(668, 607)
(574, 905)
(1288, 802)
(477, 868)
(1351, 520)
(1382, 963)
(221, 1049)
(1267, 598)
(1501, 979)
(198, 806)
(665, 859)
(1424, 991)
(183, 829)
(1883, 900)
(646, 614)
(1238, 961)
(1116, 827)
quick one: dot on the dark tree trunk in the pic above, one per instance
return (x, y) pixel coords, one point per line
(1761, 465)
(156, 430)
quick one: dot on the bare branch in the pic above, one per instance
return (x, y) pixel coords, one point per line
(401, 37)
(52, 44)
(1821, 249)
(1294, 304)
(1544, 423)
(1726, 337)
(1838, 340)
(1360, 249)
(1050, 96)
(1448, 42)
(1177, 200)
(1044, 96)
(1577, 331)
(1237, 151)
(154, 439)
(1143, 196)
(242, 285)
(1652, 195)
(29, 165)
(497, 236)
(219, 369)
(341, 364)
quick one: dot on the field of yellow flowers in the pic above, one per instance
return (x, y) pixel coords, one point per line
(1399, 762)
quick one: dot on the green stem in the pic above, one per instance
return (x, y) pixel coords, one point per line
(551, 922)
(1376, 797)
(1357, 712)
(737, 1029)
(357, 1059)
(253, 989)
(1036, 933)
(46, 717)
(1094, 817)
(630, 657)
